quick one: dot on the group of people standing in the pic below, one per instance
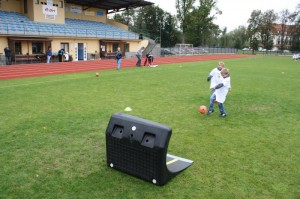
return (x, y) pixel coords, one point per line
(139, 55)
(61, 54)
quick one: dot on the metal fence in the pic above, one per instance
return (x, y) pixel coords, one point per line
(197, 51)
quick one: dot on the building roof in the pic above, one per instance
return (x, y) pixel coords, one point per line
(114, 5)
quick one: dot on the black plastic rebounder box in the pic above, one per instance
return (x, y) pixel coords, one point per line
(139, 147)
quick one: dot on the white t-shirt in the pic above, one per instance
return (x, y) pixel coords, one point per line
(66, 57)
(222, 92)
(216, 75)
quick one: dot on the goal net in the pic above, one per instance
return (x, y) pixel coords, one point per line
(184, 49)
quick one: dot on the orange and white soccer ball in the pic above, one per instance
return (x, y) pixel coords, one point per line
(202, 109)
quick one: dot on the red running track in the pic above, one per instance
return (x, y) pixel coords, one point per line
(43, 69)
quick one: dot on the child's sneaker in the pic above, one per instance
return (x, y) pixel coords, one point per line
(222, 115)
(209, 112)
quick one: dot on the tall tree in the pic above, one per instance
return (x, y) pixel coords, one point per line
(169, 33)
(155, 23)
(125, 17)
(295, 30)
(237, 38)
(200, 26)
(253, 29)
(285, 20)
(267, 28)
(184, 7)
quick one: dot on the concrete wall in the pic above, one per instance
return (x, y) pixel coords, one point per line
(12, 5)
(39, 16)
(92, 45)
(3, 44)
(91, 14)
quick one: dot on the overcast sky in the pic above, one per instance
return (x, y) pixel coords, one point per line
(236, 12)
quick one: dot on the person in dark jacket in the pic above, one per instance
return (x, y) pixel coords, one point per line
(7, 53)
(119, 58)
(149, 59)
(61, 52)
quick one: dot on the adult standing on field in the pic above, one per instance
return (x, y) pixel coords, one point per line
(61, 52)
(49, 54)
(139, 55)
(119, 58)
(7, 53)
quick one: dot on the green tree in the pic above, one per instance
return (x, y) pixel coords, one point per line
(184, 7)
(267, 28)
(155, 23)
(285, 18)
(295, 30)
(125, 17)
(253, 29)
(254, 44)
(139, 21)
(199, 24)
(237, 38)
(169, 33)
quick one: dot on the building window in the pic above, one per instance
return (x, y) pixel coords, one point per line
(18, 49)
(65, 46)
(61, 4)
(37, 48)
(25, 7)
(115, 47)
(126, 46)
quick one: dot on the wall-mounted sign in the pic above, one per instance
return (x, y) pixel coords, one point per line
(99, 13)
(89, 13)
(50, 12)
(50, 17)
(76, 10)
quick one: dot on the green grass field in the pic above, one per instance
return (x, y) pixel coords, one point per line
(53, 131)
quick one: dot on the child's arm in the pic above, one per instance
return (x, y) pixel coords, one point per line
(219, 86)
(211, 74)
(209, 78)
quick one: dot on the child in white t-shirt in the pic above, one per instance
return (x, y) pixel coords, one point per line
(214, 75)
(220, 91)
(66, 56)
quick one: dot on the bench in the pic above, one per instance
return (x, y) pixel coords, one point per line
(110, 55)
(38, 58)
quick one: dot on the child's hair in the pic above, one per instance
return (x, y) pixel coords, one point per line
(221, 64)
(225, 72)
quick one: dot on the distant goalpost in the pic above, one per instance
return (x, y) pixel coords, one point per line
(184, 49)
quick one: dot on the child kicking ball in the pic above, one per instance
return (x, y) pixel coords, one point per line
(219, 92)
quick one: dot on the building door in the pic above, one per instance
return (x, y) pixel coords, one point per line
(102, 49)
(80, 51)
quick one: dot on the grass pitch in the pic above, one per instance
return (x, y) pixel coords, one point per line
(53, 131)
